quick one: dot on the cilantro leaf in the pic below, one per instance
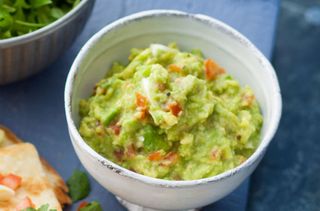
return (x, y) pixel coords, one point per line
(93, 206)
(57, 12)
(44, 207)
(5, 20)
(39, 3)
(79, 185)
(18, 17)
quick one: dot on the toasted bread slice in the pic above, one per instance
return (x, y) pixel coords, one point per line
(8, 138)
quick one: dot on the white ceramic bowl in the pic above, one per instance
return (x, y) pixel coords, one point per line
(217, 40)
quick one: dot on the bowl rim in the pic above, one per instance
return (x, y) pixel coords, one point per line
(212, 22)
(44, 30)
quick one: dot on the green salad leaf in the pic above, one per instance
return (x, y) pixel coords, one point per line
(18, 17)
(79, 186)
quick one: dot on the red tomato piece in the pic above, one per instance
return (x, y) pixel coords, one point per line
(175, 108)
(131, 150)
(119, 154)
(142, 104)
(169, 159)
(116, 129)
(174, 68)
(172, 156)
(24, 204)
(212, 69)
(155, 156)
(82, 205)
(141, 101)
(12, 181)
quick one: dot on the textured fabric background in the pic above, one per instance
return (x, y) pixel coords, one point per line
(288, 177)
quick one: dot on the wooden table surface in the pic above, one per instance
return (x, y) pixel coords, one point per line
(34, 108)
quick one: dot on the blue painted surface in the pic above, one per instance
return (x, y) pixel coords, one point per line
(288, 176)
(34, 110)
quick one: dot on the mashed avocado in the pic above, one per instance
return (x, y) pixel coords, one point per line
(172, 115)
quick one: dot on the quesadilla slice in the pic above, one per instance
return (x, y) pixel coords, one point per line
(21, 162)
(53, 189)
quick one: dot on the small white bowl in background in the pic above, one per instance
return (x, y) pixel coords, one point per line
(218, 41)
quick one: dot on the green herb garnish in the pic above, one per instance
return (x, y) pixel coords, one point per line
(79, 186)
(42, 208)
(93, 206)
(18, 17)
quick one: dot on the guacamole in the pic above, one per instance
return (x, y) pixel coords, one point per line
(172, 115)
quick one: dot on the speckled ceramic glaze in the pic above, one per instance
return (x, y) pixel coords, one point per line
(28, 54)
(217, 40)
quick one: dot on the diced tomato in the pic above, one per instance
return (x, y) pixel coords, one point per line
(12, 181)
(247, 99)
(143, 114)
(24, 204)
(175, 108)
(116, 129)
(155, 156)
(169, 159)
(82, 205)
(141, 101)
(131, 151)
(142, 104)
(119, 154)
(172, 156)
(212, 69)
(174, 68)
(215, 153)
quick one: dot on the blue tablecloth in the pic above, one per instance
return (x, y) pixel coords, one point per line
(34, 108)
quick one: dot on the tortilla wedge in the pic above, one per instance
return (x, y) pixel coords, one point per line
(51, 179)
